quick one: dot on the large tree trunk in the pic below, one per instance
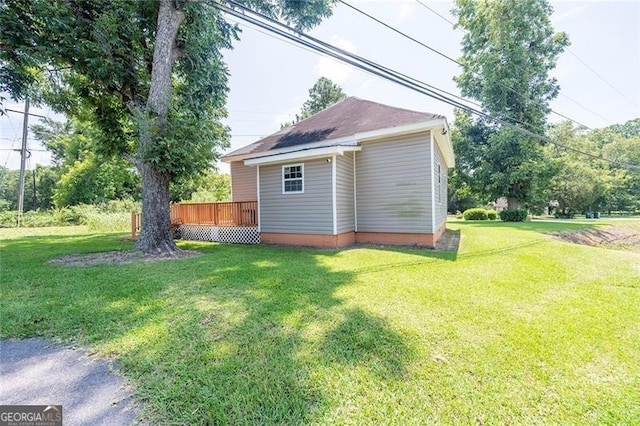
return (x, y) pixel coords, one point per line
(155, 234)
(512, 203)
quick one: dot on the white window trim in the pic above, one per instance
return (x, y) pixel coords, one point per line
(282, 178)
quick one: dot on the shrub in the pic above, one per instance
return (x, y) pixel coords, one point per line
(108, 222)
(8, 219)
(519, 215)
(38, 219)
(66, 216)
(475, 214)
(492, 214)
(111, 216)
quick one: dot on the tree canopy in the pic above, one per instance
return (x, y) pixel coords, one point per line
(323, 94)
(509, 49)
(150, 73)
(587, 184)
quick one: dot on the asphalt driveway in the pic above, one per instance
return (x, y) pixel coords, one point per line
(34, 372)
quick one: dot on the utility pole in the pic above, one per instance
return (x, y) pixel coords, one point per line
(23, 160)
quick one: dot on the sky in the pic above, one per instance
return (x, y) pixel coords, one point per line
(599, 74)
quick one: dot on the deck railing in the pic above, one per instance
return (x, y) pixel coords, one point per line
(243, 213)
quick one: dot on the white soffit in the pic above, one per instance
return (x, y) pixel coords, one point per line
(304, 154)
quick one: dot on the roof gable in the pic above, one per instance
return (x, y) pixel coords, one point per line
(346, 118)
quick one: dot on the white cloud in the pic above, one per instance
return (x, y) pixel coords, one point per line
(405, 10)
(332, 68)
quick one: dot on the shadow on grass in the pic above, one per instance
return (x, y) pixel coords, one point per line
(241, 335)
(544, 227)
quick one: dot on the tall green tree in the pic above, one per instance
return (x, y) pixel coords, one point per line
(85, 174)
(151, 73)
(509, 49)
(323, 94)
(589, 184)
(38, 188)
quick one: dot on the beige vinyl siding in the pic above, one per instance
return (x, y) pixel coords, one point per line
(243, 182)
(441, 208)
(393, 185)
(344, 192)
(310, 212)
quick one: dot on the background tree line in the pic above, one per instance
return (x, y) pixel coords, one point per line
(576, 183)
(508, 53)
(82, 174)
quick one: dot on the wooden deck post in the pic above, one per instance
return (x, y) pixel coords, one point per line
(134, 225)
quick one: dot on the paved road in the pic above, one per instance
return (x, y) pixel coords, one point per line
(32, 371)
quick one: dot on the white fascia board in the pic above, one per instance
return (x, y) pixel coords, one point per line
(304, 154)
(399, 130)
(345, 141)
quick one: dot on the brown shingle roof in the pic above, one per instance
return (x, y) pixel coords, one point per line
(351, 116)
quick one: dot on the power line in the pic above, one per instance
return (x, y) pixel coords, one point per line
(28, 149)
(403, 34)
(392, 28)
(455, 27)
(13, 141)
(315, 51)
(602, 78)
(22, 112)
(441, 16)
(297, 36)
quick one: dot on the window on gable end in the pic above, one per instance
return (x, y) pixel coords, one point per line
(293, 179)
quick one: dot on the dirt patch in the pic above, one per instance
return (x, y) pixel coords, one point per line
(611, 236)
(119, 258)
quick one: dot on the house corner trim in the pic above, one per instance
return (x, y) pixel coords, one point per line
(433, 183)
(334, 194)
(258, 196)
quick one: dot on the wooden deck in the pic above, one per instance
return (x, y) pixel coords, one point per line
(227, 214)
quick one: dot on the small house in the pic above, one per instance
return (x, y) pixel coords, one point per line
(357, 172)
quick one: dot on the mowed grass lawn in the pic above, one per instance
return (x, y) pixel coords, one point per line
(516, 328)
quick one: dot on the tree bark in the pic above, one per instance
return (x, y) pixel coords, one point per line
(155, 234)
(512, 203)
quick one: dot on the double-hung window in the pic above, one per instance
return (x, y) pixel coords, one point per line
(293, 179)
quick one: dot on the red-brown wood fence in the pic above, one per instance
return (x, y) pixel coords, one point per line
(243, 213)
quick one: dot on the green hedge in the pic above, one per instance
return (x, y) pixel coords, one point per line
(475, 214)
(479, 214)
(519, 215)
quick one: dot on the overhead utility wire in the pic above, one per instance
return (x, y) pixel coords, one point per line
(413, 39)
(435, 12)
(297, 36)
(453, 25)
(602, 78)
(320, 53)
(343, 55)
(314, 49)
(416, 87)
